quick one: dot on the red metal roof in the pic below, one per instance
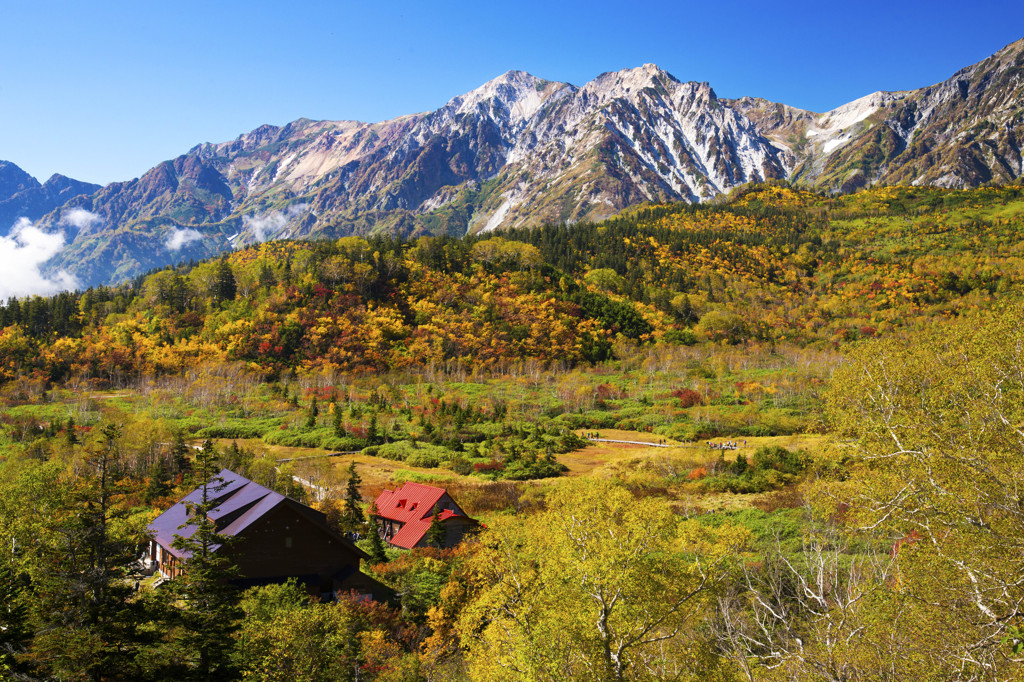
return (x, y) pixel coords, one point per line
(412, 505)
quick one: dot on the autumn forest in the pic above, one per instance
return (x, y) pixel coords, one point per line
(774, 437)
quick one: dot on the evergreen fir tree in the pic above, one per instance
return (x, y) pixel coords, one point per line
(352, 515)
(81, 609)
(69, 431)
(14, 630)
(739, 467)
(378, 553)
(436, 534)
(372, 433)
(224, 286)
(179, 454)
(286, 272)
(157, 486)
(338, 421)
(314, 412)
(209, 604)
(266, 277)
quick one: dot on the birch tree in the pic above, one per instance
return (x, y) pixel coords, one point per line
(600, 586)
(934, 429)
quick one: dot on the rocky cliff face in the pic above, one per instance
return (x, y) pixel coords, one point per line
(963, 132)
(520, 150)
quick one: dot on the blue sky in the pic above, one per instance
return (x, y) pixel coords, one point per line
(104, 91)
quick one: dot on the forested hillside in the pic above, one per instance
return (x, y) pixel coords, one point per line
(776, 437)
(771, 265)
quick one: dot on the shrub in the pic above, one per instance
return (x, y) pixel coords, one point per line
(316, 438)
(680, 337)
(521, 470)
(780, 459)
(492, 465)
(230, 431)
(461, 465)
(608, 392)
(696, 474)
(688, 397)
(424, 459)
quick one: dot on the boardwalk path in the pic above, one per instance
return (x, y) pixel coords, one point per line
(659, 445)
(329, 454)
(633, 442)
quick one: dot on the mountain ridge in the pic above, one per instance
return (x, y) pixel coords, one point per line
(24, 197)
(521, 150)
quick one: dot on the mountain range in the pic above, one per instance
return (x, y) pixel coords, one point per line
(521, 151)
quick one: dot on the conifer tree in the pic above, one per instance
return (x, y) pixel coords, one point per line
(179, 453)
(14, 631)
(436, 534)
(157, 485)
(373, 436)
(338, 423)
(378, 553)
(266, 277)
(69, 431)
(209, 604)
(81, 609)
(314, 412)
(224, 286)
(352, 515)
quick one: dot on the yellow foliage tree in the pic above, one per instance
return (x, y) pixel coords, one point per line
(600, 586)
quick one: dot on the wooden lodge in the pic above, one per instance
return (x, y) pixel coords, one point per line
(274, 538)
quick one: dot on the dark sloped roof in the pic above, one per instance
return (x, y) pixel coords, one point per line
(239, 503)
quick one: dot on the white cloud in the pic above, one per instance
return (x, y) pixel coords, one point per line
(270, 225)
(22, 253)
(179, 238)
(80, 218)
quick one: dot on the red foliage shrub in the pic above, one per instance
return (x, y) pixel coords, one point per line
(607, 392)
(488, 466)
(696, 474)
(324, 394)
(688, 397)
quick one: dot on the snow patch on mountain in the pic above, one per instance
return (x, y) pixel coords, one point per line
(498, 216)
(832, 130)
(835, 143)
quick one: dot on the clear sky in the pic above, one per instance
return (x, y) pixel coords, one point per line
(102, 91)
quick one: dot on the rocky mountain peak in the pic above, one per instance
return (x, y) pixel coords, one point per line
(13, 180)
(516, 95)
(629, 83)
(32, 200)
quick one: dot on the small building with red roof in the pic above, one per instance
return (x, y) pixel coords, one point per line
(404, 516)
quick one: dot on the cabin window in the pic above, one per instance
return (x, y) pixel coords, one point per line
(288, 542)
